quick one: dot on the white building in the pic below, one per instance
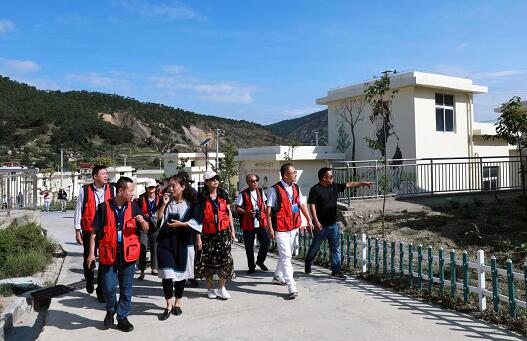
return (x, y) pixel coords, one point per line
(266, 161)
(432, 117)
(195, 164)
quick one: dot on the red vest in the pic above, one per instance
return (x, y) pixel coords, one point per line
(247, 222)
(90, 205)
(283, 217)
(144, 203)
(108, 242)
(209, 224)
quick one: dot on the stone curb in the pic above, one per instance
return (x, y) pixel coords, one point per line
(13, 312)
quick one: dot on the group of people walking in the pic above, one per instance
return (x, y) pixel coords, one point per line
(190, 234)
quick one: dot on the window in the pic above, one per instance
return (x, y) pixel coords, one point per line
(444, 112)
(490, 178)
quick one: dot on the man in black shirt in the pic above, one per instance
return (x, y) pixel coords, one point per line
(322, 202)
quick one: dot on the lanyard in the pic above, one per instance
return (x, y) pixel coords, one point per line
(98, 198)
(152, 205)
(120, 215)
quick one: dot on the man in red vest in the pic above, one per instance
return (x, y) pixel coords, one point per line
(250, 205)
(284, 204)
(117, 225)
(90, 196)
(149, 202)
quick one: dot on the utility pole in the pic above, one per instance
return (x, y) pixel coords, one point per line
(61, 166)
(316, 138)
(218, 132)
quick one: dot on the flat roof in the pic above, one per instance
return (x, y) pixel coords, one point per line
(410, 78)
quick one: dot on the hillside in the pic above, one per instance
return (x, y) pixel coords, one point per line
(34, 124)
(304, 127)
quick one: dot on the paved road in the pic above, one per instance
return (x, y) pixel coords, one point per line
(326, 309)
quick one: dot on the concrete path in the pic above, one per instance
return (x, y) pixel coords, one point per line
(326, 309)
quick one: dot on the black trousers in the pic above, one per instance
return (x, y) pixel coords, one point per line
(88, 274)
(248, 240)
(151, 240)
(173, 288)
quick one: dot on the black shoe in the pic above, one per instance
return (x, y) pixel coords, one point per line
(338, 275)
(124, 325)
(193, 283)
(262, 266)
(307, 269)
(108, 320)
(100, 295)
(177, 311)
(89, 286)
(164, 315)
(250, 271)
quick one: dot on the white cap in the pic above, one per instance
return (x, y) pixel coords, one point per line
(209, 175)
(150, 183)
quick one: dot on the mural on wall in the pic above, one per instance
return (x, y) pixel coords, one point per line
(267, 171)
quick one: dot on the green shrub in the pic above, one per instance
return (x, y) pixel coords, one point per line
(24, 250)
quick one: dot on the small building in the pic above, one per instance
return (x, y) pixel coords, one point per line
(266, 162)
(195, 164)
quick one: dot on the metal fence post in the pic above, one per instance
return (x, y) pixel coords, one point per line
(392, 258)
(512, 292)
(430, 268)
(432, 176)
(481, 281)
(420, 266)
(376, 256)
(364, 247)
(384, 257)
(401, 259)
(495, 288)
(355, 258)
(441, 271)
(348, 191)
(369, 255)
(452, 273)
(465, 275)
(411, 264)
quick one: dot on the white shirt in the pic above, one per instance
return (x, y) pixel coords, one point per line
(271, 198)
(254, 200)
(99, 197)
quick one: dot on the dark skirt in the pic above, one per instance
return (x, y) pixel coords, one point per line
(216, 258)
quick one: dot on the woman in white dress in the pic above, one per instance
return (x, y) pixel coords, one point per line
(179, 220)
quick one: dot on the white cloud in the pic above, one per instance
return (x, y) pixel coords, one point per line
(6, 26)
(172, 10)
(299, 112)
(175, 69)
(498, 74)
(114, 82)
(15, 66)
(225, 92)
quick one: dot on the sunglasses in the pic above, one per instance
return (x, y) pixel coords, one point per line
(216, 178)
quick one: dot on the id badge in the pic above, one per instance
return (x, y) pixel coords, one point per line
(216, 219)
(294, 208)
(119, 236)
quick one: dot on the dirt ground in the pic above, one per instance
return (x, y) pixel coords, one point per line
(494, 222)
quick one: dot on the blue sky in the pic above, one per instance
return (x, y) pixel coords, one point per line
(262, 61)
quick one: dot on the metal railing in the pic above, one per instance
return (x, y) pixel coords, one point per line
(429, 176)
(18, 190)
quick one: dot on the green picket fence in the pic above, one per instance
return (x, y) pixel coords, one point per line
(423, 266)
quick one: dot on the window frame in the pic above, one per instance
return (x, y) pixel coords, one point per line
(443, 108)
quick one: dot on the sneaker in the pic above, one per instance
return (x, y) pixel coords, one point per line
(223, 293)
(338, 275)
(250, 271)
(278, 280)
(211, 294)
(262, 266)
(108, 320)
(293, 294)
(292, 291)
(307, 269)
(124, 325)
(89, 287)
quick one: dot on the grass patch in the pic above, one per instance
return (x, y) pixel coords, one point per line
(6, 290)
(24, 250)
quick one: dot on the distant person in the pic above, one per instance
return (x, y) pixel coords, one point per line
(63, 197)
(149, 202)
(90, 197)
(117, 225)
(250, 205)
(46, 195)
(218, 235)
(20, 200)
(179, 219)
(323, 205)
(284, 204)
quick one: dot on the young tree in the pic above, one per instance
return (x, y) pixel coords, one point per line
(104, 161)
(228, 168)
(74, 168)
(293, 142)
(379, 96)
(512, 127)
